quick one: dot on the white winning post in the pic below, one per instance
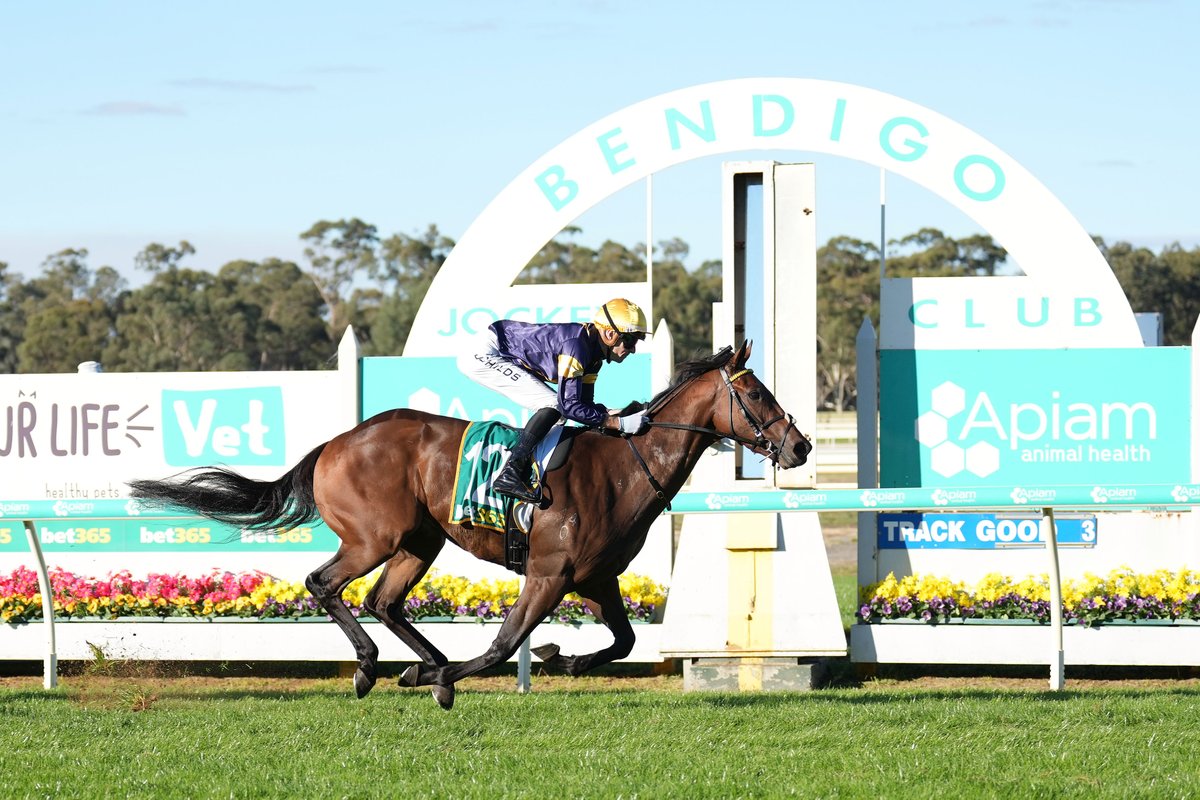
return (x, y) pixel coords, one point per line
(50, 671)
(1057, 678)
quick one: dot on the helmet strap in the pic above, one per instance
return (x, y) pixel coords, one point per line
(611, 324)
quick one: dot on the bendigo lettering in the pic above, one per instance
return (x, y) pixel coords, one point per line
(901, 139)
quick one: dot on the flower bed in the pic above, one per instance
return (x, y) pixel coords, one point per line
(257, 595)
(1122, 595)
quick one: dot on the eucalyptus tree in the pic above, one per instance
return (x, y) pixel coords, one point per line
(339, 254)
(930, 253)
(10, 325)
(684, 298)
(169, 324)
(280, 314)
(406, 267)
(66, 314)
(1167, 282)
(847, 293)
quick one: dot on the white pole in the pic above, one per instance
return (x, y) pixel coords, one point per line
(1050, 534)
(867, 360)
(882, 223)
(50, 663)
(524, 658)
(650, 244)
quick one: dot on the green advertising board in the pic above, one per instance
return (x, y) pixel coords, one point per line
(1024, 417)
(148, 535)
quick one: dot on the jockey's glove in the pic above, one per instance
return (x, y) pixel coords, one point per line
(634, 423)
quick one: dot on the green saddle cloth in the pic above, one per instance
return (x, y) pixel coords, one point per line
(481, 454)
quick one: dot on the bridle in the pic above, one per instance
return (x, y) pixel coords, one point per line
(759, 444)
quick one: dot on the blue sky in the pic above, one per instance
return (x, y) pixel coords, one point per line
(238, 125)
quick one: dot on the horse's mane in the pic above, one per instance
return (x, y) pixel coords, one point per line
(693, 369)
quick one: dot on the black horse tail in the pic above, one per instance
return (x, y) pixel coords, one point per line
(225, 496)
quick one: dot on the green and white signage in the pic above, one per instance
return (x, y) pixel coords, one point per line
(1029, 417)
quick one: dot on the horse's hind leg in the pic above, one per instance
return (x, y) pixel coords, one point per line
(385, 602)
(604, 601)
(539, 597)
(326, 583)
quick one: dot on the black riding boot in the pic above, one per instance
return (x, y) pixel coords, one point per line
(514, 479)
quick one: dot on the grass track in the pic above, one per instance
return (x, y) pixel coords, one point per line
(592, 737)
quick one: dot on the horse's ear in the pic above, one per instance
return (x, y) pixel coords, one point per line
(743, 354)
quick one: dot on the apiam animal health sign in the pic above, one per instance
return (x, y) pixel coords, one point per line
(985, 417)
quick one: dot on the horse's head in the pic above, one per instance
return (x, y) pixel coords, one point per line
(755, 418)
(743, 409)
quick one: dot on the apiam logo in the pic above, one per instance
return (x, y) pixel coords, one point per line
(1024, 494)
(1102, 494)
(14, 509)
(933, 430)
(870, 498)
(65, 508)
(1184, 494)
(716, 501)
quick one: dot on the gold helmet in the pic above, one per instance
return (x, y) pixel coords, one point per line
(623, 316)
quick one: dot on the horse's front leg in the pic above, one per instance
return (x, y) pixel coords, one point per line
(604, 600)
(540, 596)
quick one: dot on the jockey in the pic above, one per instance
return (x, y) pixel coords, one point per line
(518, 359)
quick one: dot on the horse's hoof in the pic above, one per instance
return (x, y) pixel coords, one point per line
(410, 675)
(444, 696)
(362, 683)
(546, 652)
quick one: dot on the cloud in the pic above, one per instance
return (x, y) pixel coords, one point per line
(242, 86)
(345, 69)
(475, 26)
(130, 108)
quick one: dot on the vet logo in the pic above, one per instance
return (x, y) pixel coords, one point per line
(231, 426)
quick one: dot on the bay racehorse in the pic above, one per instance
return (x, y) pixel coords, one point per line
(384, 489)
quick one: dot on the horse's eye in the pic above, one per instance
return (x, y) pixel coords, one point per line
(755, 394)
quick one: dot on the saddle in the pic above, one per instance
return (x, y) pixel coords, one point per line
(482, 452)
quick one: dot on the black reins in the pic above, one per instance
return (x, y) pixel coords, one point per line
(759, 443)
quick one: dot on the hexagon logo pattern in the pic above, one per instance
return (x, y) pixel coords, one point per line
(933, 431)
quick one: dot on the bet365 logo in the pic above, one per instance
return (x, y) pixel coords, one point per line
(224, 426)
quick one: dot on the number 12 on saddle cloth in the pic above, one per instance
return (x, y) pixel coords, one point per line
(481, 453)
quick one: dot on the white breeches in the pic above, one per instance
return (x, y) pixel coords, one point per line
(484, 364)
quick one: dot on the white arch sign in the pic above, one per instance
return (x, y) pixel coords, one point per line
(955, 163)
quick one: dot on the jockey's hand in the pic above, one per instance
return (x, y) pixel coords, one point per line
(634, 423)
(633, 407)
